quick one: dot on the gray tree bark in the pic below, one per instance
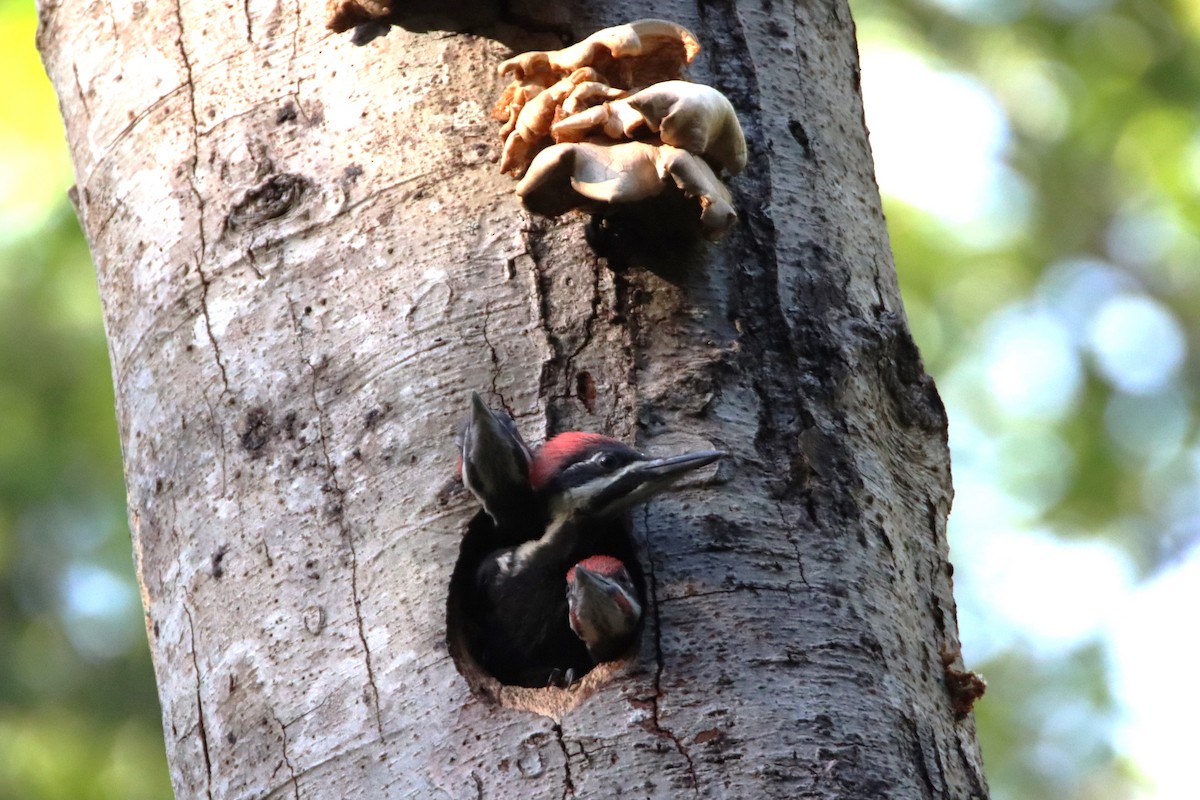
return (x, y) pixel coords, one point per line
(307, 258)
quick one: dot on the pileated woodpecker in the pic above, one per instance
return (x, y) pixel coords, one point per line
(572, 509)
(604, 608)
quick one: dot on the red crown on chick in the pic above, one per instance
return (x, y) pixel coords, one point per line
(603, 565)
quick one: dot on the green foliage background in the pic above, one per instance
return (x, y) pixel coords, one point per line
(1100, 98)
(79, 713)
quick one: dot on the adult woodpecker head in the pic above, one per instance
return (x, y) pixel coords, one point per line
(494, 460)
(604, 609)
(593, 475)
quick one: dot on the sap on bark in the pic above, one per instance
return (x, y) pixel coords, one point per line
(342, 15)
(370, 19)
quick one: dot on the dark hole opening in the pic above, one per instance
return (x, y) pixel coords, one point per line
(480, 639)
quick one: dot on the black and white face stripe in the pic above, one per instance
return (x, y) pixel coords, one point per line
(595, 462)
(612, 477)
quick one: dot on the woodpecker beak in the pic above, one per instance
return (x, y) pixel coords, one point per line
(590, 585)
(483, 429)
(674, 467)
(495, 460)
(600, 606)
(641, 480)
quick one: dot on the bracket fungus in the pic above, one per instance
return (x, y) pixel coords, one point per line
(582, 174)
(610, 120)
(534, 119)
(691, 116)
(658, 40)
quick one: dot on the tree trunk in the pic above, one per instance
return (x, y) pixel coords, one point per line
(307, 258)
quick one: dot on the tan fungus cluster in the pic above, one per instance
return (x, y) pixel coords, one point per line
(609, 120)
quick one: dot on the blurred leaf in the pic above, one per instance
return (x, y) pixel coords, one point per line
(1099, 102)
(32, 183)
(76, 720)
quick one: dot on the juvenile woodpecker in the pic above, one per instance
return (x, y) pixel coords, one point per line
(494, 466)
(582, 483)
(604, 609)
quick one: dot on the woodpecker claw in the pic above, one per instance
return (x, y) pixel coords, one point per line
(561, 679)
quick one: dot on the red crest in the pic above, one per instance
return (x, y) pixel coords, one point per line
(551, 456)
(603, 565)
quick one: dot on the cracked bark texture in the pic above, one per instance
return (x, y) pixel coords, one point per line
(307, 258)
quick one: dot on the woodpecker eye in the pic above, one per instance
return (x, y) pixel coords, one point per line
(606, 460)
